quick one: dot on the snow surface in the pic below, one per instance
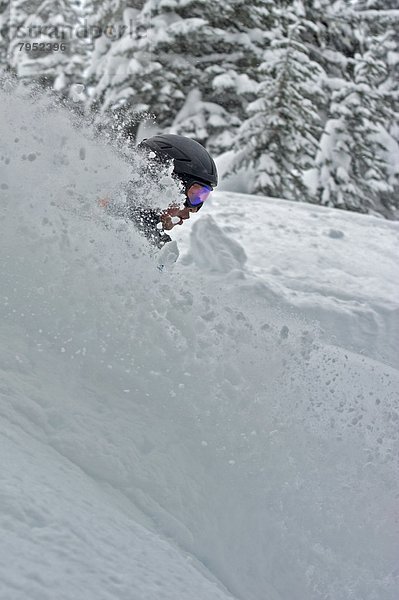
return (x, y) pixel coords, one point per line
(336, 267)
(191, 433)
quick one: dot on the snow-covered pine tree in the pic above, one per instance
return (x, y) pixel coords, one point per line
(328, 33)
(380, 19)
(4, 34)
(113, 29)
(352, 166)
(43, 26)
(380, 28)
(353, 170)
(191, 63)
(279, 139)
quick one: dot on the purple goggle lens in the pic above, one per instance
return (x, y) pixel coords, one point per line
(197, 193)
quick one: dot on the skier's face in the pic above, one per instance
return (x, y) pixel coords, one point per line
(176, 215)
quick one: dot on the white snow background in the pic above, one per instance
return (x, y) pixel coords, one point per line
(193, 433)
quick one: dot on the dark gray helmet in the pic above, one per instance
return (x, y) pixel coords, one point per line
(191, 160)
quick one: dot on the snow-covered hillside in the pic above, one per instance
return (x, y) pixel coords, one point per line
(336, 267)
(191, 433)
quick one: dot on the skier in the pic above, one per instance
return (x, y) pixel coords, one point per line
(193, 167)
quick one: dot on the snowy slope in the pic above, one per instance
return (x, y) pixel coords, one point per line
(190, 433)
(337, 267)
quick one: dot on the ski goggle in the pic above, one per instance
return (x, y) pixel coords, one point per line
(196, 194)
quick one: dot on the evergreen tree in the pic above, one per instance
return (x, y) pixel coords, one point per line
(353, 171)
(4, 34)
(191, 63)
(353, 162)
(380, 26)
(280, 136)
(328, 33)
(379, 19)
(43, 26)
(112, 27)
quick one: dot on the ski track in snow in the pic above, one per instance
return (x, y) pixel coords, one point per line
(190, 433)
